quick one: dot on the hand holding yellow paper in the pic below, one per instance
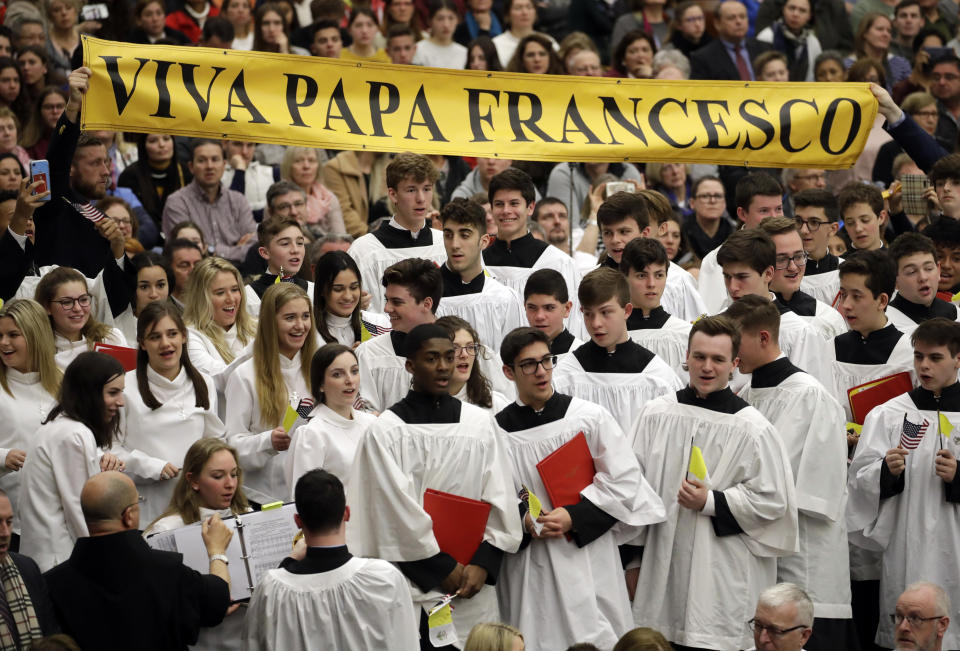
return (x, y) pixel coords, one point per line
(289, 418)
(535, 508)
(697, 467)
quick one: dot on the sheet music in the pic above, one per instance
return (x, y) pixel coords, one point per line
(269, 538)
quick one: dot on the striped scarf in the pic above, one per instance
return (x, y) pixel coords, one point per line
(19, 626)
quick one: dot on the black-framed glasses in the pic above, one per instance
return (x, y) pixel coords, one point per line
(469, 349)
(914, 620)
(813, 225)
(799, 259)
(529, 366)
(67, 303)
(772, 631)
(709, 197)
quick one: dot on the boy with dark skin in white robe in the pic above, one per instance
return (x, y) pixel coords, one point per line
(431, 440)
(811, 425)
(903, 481)
(558, 590)
(725, 479)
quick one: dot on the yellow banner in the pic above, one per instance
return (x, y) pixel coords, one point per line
(334, 104)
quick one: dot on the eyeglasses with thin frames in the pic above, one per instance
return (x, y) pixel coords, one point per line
(913, 620)
(772, 631)
(709, 197)
(469, 349)
(67, 303)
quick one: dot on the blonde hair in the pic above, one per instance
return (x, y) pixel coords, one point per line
(492, 636)
(198, 306)
(290, 155)
(185, 502)
(268, 379)
(642, 639)
(93, 331)
(31, 319)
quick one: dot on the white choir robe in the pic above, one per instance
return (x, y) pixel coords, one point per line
(253, 301)
(226, 635)
(99, 305)
(499, 400)
(811, 425)
(824, 286)
(328, 441)
(906, 316)
(152, 438)
(250, 436)
(61, 457)
(555, 591)
(696, 587)
(621, 382)
(341, 328)
(805, 347)
(398, 461)
(710, 283)
(493, 312)
(668, 341)
(21, 412)
(828, 322)
(207, 359)
(362, 605)
(374, 252)
(915, 529)
(67, 350)
(681, 297)
(126, 323)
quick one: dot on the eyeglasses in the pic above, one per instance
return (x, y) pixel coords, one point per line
(813, 225)
(913, 620)
(946, 76)
(811, 177)
(469, 349)
(529, 366)
(772, 631)
(140, 500)
(799, 259)
(694, 19)
(709, 197)
(930, 113)
(282, 207)
(121, 220)
(67, 303)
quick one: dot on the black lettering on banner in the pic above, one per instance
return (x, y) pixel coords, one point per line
(376, 111)
(786, 126)
(710, 124)
(345, 114)
(755, 120)
(309, 96)
(189, 81)
(473, 110)
(163, 93)
(240, 91)
(573, 115)
(530, 122)
(420, 105)
(120, 93)
(611, 109)
(827, 125)
(657, 125)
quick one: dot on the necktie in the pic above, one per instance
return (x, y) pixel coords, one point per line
(743, 68)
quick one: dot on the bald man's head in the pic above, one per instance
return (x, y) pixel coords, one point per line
(105, 498)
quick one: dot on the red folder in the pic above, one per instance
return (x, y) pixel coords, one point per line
(458, 523)
(567, 470)
(126, 356)
(868, 395)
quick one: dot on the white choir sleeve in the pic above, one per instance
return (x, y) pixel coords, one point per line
(253, 448)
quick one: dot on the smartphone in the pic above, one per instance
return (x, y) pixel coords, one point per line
(94, 12)
(614, 187)
(936, 54)
(914, 203)
(40, 171)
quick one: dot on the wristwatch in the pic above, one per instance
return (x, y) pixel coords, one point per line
(220, 557)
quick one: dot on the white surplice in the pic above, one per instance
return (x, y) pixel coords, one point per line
(669, 342)
(681, 297)
(67, 350)
(383, 375)
(373, 258)
(341, 328)
(823, 287)
(493, 312)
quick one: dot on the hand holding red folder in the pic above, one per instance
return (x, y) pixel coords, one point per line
(458, 523)
(567, 471)
(126, 356)
(868, 395)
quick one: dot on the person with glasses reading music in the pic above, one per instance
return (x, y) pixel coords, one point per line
(783, 619)
(786, 285)
(708, 227)
(817, 215)
(561, 591)
(916, 629)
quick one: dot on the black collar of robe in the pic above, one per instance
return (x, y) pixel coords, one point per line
(657, 319)
(516, 418)
(800, 303)
(453, 284)
(317, 560)
(419, 408)
(262, 284)
(875, 348)
(724, 401)
(920, 313)
(392, 237)
(610, 262)
(773, 373)
(561, 343)
(827, 263)
(949, 399)
(521, 252)
(397, 338)
(628, 357)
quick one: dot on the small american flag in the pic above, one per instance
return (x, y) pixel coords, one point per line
(305, 407)
(371, 330)
(911, 434)
(87, 210)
